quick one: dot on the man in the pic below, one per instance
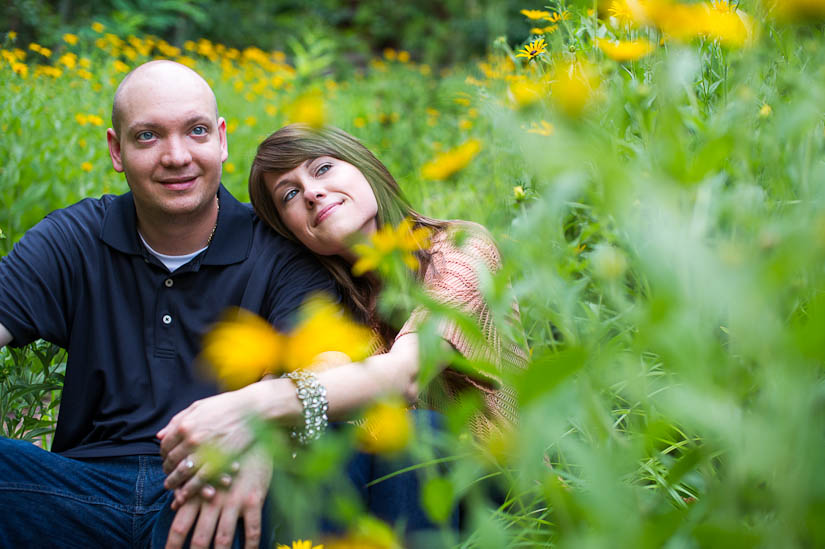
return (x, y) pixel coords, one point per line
(128, 285)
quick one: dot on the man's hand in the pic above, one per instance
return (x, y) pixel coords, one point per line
(217, 518)
(219, 420)
(5, 336)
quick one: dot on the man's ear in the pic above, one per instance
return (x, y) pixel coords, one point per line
(114, 150)
(222, 137)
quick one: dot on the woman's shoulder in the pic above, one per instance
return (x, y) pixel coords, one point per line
(469, 239)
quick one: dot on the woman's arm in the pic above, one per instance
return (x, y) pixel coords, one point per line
(222, 419)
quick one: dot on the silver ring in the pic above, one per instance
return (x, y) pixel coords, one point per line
(189, 464)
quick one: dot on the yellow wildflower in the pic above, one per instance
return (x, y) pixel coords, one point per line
(387, 428)
(403, 56)
(240, 348)
(533, 49)
(84, 74)
(98, 27)
(231, 126)
(229, 167)
(308, 109)
(120, 66)
(687, 21)
(796, 9)
(625, 50)
(544, 128)
(45, 52)
(465, 124)
(82, 143)
(95, 120)
(573, 86)
(544, 30)
(556, 17)
(85, 62)
(368, 533)
(34, 46)
(69, 59)
(608, 263)
(389, 241)
(518, 193)
(324, 327)
(186, 60)
(301, 544)
(629, 13)
(81, 119)
(12, 35)
(250, 121)
(20, 68)
(359, 122)
(390, 54)
(535, 14)
(86, 166)
(523, 92)
(448, 163)
(70, 39)
(765, 111)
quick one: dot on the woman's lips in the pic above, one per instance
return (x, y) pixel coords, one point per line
(326, 212)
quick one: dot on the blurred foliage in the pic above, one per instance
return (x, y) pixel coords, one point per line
(436, 32)
(662, 227)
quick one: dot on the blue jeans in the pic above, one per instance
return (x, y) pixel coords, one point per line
(47, 500)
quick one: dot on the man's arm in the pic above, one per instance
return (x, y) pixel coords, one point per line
(5, 336)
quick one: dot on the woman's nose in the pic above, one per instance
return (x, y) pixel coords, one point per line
(312, 196)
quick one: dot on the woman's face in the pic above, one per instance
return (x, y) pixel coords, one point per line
(324, 202)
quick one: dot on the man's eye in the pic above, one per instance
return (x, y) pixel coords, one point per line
(199, 130)
(290, 194)
(145, 136)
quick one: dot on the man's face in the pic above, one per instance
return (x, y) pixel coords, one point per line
(171, 143)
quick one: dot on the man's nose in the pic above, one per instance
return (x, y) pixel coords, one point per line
(176, 153)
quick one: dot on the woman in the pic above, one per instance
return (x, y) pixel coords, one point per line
(323, 188)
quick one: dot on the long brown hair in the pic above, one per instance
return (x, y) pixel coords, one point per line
(291, 146)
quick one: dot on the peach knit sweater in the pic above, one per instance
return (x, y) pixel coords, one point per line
(452, 278)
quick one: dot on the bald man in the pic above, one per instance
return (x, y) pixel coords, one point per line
(128, 285)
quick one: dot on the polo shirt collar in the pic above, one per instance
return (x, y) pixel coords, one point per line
(231, 242)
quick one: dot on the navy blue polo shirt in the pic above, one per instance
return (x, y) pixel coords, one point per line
(82, 279)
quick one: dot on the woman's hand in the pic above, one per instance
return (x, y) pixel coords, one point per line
(219, 421)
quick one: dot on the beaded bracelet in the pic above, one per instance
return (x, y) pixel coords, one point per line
(313, 396)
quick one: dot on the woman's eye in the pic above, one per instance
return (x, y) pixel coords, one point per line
(323, 169)
(145, 136)
(290, 194)
(199, 130)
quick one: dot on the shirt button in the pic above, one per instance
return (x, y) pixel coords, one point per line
(168, 282)
(166, 319)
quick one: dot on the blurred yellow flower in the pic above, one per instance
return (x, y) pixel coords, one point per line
(533, 49)
(359, 122)
(796, 9)
(271, 110)
(307, 109)
(573, 86)
(465, 124)
(448, 163)
(765, 111)
(535, 14)
(98, 27)
(69, 59)
(518, 193)
(629, 13)
(404, 56)
(556, 17)
(386, 242)
(523, 93)
(543, 127)
(544, 30)
(231, 126)
(368, 533)
(387, 428)
(390, 54)
(250, 121)
(120, 66)
(20, 68)
(324, 327)
(84, 74)
(684, 22)
(94, 120)
(12, 35)
(229, 167)
(81, 119)
(608, 262)
(86, 166)
(70, 39)
(300, 544)
(625, 50)
(240, 348)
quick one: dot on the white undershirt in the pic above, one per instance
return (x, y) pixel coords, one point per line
(171, 262)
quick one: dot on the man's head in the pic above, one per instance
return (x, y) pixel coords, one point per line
(168, 139)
